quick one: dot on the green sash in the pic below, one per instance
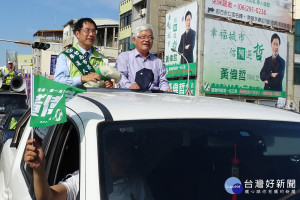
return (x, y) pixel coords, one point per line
(79, 60)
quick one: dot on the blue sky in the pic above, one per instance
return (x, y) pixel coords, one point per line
(21, 19)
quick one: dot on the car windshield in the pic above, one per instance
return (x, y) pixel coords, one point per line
(12, 101)
(198, 159)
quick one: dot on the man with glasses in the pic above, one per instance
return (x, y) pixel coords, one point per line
(78, 64)
(134, 62)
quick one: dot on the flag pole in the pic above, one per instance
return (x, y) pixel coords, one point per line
(31, 96)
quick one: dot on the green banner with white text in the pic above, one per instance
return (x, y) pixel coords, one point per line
(238, 60)
(179, 86)
(50, 97)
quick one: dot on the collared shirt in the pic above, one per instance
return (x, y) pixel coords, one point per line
(129, 62)
(62, 70)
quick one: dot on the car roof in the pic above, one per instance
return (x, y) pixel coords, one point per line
(123, 105)
(13, 93)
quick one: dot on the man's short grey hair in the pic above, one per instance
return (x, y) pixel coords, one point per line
(142, 28)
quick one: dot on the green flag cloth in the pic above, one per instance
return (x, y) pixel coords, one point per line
(49, 105)
(131, 46)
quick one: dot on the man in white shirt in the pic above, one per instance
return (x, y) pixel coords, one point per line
(124, 186)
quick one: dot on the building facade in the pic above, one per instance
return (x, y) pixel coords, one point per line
(134, 13)
(24, 63)
(42, 59)
(125, 20)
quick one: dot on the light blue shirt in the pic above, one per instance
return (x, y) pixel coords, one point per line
(62, 70)
(129, 62)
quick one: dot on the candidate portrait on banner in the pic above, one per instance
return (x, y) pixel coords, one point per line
(187, 40)
(273, 69)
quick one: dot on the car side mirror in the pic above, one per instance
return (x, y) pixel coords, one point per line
(1, 127)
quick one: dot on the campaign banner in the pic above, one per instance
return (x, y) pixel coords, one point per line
(276, 13)
(238, 60)
(179, 86)
(181, 40)
(53, 64)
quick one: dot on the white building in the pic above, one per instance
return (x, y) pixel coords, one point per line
(41, 59)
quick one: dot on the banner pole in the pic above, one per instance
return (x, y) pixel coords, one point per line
(31, 96)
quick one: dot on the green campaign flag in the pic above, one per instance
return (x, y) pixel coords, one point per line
(49, 101)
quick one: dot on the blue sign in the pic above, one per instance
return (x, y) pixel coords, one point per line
(53, 64)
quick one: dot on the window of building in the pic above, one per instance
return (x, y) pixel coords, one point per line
(125, 19)
(297, 74)
(124, 44)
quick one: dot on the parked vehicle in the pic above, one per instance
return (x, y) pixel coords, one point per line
(183, 147)
(12, 100)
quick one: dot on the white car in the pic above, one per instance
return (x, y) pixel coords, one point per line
(183, 148)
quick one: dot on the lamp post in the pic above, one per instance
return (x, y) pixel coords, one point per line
(188, 76)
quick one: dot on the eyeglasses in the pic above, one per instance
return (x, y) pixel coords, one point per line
(87, 30)
(145, 37)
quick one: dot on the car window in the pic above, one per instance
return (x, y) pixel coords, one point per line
(20, 129)
(192, 159)
(62, 152)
